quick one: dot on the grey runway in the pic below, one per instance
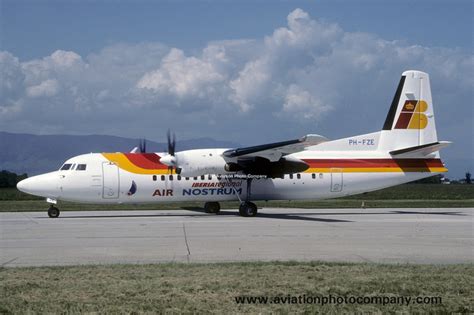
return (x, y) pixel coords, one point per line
(345, 235)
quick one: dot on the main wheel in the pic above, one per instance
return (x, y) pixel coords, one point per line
(53, 212)
(248, 209)
(212, 207)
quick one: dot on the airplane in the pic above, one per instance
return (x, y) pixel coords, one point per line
(311, 167)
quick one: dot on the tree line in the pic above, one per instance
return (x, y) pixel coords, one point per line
(10, 179)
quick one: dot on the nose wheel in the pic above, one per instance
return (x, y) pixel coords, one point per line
(53, 212)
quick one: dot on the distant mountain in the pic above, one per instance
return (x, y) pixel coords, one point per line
(33, 154)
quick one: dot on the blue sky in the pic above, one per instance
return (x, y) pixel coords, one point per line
(32, 29)
(246, 71)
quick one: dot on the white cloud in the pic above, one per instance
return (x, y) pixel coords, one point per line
(65, 59)
(251, 84)
(298, 79)
(44, 89)
(302, 104)
(185, 77)
(11, 79)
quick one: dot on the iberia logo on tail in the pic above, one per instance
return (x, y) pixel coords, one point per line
(411, 116)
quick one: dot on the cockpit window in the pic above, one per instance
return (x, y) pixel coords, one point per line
(65, 167)
(81, 167)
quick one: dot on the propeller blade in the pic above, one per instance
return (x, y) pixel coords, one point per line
(173, 145)
(142, 146)
(168, 138)
(170, 159)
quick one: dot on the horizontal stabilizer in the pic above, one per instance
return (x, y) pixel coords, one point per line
(421, 150)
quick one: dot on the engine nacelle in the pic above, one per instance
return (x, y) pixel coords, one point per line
(201, 161)
(232, 167)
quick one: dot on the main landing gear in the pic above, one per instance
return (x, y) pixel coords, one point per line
(53, 212)
(212, 207)
(246, 208)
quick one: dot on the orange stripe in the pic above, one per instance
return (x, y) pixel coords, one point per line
(121, 160)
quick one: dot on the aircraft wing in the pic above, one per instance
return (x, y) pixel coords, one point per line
(274, 151)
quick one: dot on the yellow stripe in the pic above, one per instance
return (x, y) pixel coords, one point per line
(380, 170)
(122, 162)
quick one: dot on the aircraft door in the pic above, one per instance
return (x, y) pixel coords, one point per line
(336, 180)
(110, 180)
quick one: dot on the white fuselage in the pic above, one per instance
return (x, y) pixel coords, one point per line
(106, 181)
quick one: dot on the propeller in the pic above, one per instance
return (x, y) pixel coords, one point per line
(142, 146)
(170, 159)
(171, 143)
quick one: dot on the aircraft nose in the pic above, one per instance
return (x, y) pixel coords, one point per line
(23, 185)
(42, 185)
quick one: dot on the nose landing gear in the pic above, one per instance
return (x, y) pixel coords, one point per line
(53, 212)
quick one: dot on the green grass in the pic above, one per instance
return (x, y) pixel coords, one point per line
(13, 194)
(212, 288)
(420, 192)
(403, 196)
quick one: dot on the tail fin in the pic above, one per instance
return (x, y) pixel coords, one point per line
(410, 121)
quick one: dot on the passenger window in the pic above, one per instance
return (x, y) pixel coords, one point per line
(162, 177)
(171, 177)
(195, 178)
(65, 167)
(291, 176)
(298, 176)
(154, 178)
(313, 176)
(209, 177)
(203, 177)
(187, 178)
(81, 167)
(179, 177)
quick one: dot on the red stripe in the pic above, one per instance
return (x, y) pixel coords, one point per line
(149, 161)
(364, 163)
(403, 120)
